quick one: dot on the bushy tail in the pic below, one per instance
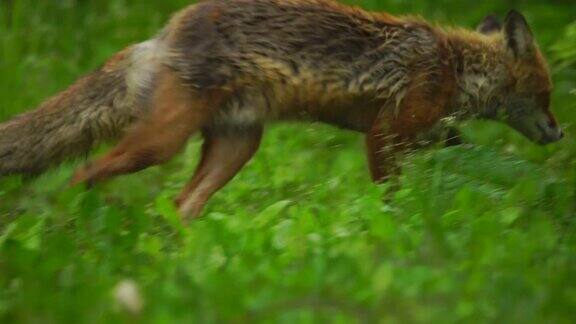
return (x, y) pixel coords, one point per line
(96, 108)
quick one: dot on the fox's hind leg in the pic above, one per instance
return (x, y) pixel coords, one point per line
(223, 155)
(176, 113)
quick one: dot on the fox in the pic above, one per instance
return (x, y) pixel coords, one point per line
(226, 68)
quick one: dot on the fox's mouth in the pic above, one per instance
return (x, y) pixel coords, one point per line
(548, 134)
(541, 133)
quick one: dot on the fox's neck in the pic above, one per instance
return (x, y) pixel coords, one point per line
(480, 70)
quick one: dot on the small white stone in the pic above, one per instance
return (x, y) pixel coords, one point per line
(128, 296)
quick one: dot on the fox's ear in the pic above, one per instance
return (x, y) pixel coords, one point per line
(490, 24)
(518, 35)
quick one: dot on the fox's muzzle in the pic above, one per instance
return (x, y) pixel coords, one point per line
(550, 132)
(539, 126)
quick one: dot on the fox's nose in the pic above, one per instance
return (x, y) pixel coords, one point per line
(556, 134)
(552, 125)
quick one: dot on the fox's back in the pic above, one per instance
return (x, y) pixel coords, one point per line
(220, 43)
(295, 59)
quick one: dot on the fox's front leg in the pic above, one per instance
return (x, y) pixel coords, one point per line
(382, 148)
(396, 130)
(446, 135)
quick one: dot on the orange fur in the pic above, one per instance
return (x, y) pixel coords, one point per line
(176, 114)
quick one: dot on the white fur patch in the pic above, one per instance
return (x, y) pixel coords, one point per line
(143, 66)
(249, 110)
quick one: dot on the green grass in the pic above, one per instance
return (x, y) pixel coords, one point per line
(480, 233)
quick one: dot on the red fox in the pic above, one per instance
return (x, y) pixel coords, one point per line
(224, 68)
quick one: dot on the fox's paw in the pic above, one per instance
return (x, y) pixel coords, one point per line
(189, 211)
(84, 174)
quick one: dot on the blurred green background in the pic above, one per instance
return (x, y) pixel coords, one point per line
(485, 232)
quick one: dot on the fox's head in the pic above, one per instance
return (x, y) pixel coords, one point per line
(525, 95)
